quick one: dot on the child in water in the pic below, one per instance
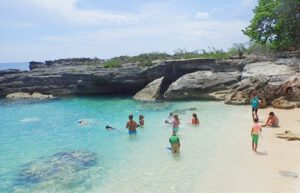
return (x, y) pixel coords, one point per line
(255, 131)
(131, 126)
(176, 124)
(195, 120)
(175, 143)
(141, 121)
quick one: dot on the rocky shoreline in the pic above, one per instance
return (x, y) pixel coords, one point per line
(231, 80)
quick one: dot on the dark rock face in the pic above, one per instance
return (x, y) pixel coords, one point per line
(64, 168)
(80, 76)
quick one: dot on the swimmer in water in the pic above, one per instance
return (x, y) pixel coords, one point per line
(107, 127)
(141, 121)
(131, 126)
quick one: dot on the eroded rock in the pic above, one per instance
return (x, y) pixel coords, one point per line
(151, 92)
(28, 96)
(200, 84)
(281, 103)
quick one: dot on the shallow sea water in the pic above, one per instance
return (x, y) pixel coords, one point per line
(30, 134)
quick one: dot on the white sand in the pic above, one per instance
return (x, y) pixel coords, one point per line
(257, 172)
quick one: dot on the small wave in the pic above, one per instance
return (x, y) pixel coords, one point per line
(30, 119)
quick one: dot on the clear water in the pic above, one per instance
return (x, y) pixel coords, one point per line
(36, 131)
(14, 65)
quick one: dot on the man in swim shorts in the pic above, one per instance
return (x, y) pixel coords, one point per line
(175, 143)
(131, 126)
(255, 131)
(272, 121)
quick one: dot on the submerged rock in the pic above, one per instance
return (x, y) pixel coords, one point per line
(63, 168)
(151, 92)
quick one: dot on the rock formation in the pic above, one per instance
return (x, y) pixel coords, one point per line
(280, 103)
(200, 84)
(33, 96)
(151, 92)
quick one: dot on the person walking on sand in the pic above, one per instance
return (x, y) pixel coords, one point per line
(255, 131)
(255, 104)
(175, 143)
(195, 120)
(272, 121)
(131, 126)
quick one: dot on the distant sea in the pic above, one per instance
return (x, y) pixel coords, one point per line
(14, 65)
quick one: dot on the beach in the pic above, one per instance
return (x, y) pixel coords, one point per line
(258, 172)
(215, 157)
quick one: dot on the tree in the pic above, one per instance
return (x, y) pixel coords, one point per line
(276, 23)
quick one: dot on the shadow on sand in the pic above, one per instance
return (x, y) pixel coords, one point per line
(262, 153)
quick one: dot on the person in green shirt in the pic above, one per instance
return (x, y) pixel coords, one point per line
(175, 143)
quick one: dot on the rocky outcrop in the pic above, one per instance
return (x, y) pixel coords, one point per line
(151, 92)
(274, 71)
(200, 84)
(280, 103)
(183, 79)
(28, 96)
(74, 77)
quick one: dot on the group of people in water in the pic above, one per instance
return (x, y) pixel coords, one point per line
(256, 130)
(173, 119)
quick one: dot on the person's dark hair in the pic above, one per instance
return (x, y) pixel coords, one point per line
(171, 114)
(255, 120)
(130, 117)
(195, 116)
(271, 113)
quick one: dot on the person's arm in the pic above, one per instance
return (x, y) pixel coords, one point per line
(251, 131)
(127, 125)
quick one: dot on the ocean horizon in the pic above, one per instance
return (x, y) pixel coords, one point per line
(14, 65)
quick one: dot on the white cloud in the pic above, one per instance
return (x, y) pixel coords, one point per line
(68, 10)
(202, 15)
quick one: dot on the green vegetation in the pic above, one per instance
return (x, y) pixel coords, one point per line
(211, 54)
(149, 59)
(276, 24)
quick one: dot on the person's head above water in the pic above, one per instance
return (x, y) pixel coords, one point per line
(141, 117)
(195, 115)
(176, 117)
(130, 117)
(171, 114)
(271, 113)
(255, 120)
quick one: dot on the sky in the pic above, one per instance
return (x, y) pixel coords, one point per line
(39, 30)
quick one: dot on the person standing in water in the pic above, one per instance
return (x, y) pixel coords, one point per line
(195, 120)
(175, 143)
(141, 121)
(175, 124)
(255, 131)
(131, 126)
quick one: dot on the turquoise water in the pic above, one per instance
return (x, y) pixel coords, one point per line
(31, 133)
